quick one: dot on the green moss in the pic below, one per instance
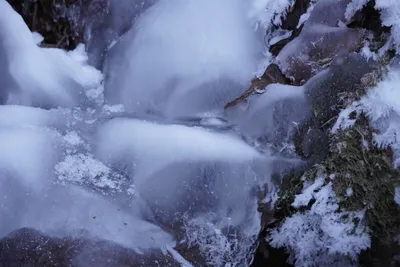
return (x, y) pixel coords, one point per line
(368, 171)
(355, 163)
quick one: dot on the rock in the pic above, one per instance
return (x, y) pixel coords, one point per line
(290, 23)
(271, 75)
(320, 41)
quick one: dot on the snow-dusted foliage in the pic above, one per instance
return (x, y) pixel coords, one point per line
(324, 235)
(381, 107)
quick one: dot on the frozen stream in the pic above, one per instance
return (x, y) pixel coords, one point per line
(140, 154)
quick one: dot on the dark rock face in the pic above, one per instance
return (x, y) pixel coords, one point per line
(271, 75)
(30, 248)
(290, 23)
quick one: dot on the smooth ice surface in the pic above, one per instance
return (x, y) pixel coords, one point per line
(29, 154)
(179, 48)
(13, 115)
(148, 146)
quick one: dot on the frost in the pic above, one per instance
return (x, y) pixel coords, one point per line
(344, 121)
(114, 108)
(390, 16)
(85, 170)
(353, 7)
(218, 247)
(308, 193)
(270, 12)
(322, 235)
(73, 139)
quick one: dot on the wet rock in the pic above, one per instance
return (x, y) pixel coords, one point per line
(271, 75)
(290, 23)
(320, 41)
(342, 79)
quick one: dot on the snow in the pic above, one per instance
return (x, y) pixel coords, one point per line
(322, 235)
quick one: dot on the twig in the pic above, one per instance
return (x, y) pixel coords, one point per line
(34, 15)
